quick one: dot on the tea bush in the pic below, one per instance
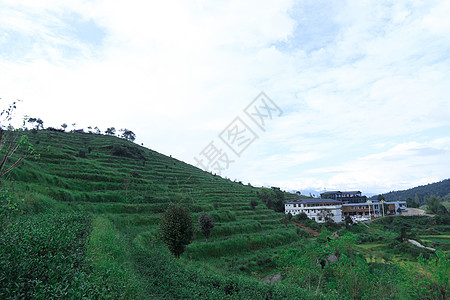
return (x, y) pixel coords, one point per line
(44, 256)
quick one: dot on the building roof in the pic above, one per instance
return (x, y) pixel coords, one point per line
(341, 192)
(314, 201)
(372, 202)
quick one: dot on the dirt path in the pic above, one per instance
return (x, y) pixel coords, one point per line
(415, 212)
(310, 230)
(416, 243)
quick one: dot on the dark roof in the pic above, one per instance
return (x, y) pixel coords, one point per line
(330, 192)
(313, 201)
(372, 203)
(339, 192)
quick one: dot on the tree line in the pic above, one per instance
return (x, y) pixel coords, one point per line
(127, 134)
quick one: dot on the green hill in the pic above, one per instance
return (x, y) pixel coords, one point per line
(129, 186)
(441, 189)
(81, 222)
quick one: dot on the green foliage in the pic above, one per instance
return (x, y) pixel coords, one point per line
(240, 243)
(8, 206)
(206, 224)
(433, 203)
(112, 274)
(169, 278)
(128, 134)
(330, 266)
(124, 257)
(273, 198)
(253, 203)
(110, 131)
(176, 229)
(442, 210)
(301, 217)
(126, 150)
(434, 283)
(11, 140)
(419, 193)
(44, 256)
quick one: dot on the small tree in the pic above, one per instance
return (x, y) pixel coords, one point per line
(10, 141)
(40, 124)
(286, 219)
(325, 214)
(348, 222)
(32, 121)
(110, 131)
(64, 126)
(301, 216)
(206, 223)
(433, 203)
(128, 134)
(176, 229)
(380, 197)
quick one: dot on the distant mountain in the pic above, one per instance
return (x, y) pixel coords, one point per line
(441, 188)
(306, 192)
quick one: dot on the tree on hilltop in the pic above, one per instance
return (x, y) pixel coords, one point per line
(128, 134)
(40, 124)
(32, 121)
(110, 131)
(176, 229)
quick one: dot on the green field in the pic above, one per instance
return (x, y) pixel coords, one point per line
(86, 221)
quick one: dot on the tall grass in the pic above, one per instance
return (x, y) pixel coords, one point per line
(239, 243)
(169, 278)
(113, 272)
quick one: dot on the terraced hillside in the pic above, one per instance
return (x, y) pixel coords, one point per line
(82, 222)
(126, 187)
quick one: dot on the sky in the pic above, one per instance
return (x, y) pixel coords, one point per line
(335, 95)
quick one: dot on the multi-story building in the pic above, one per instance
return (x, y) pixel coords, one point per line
(361, 209)
(319, 210)
(373, 208)
(336, 205)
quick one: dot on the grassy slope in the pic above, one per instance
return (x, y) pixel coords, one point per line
(106, 206)
(126, 187)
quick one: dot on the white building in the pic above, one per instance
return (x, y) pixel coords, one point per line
(316, 209)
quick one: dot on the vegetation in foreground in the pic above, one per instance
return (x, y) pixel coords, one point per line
(84, 221)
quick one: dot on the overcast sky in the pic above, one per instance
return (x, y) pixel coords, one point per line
(356, 92)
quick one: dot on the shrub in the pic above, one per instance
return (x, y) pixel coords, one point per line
(176, 229)
(206, 224)
(301, 216)
(44, 257)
